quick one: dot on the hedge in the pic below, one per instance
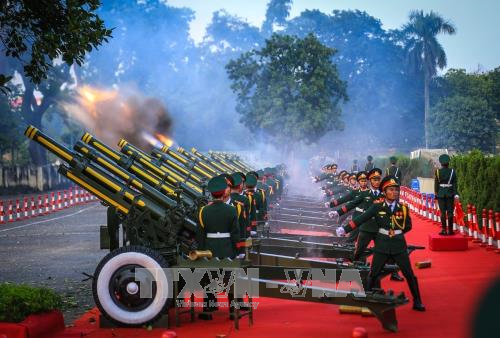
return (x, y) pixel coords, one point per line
(19, 301)
(478, 180)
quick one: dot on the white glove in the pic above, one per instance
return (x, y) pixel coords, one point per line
(340, 232)
(327, 204)
(241, 256)
(333, 215)
(253, 233)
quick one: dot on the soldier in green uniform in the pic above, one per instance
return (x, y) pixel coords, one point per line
(255, 199)
(361, 177)
(355, 167)
(238, 196)
(445, 189)
(219, 227)
(369, 164)
(218, 231)
(394, 170)
(393, 221)
(367, 231)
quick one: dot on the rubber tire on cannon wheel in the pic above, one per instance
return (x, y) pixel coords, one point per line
(118, 259)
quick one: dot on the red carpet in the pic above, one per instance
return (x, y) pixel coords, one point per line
(450, 290)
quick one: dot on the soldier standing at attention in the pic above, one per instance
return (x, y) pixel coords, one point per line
(394, 170)
(393, 221)
(220, 232)
(355, 167)
(445, 189)
(237, 195)
(369, 165)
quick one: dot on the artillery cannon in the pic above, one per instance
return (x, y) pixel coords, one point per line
(156, 203)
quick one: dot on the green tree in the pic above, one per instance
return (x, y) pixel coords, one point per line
(463, 123)
(289, 89)
(33, 33)
(424, 51)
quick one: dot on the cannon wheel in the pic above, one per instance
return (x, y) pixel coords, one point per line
(117, 294)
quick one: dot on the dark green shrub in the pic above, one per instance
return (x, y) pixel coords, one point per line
(19, 301)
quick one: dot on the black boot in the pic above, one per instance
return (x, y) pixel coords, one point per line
(415, 292)
(372, 284)
(396, 277)
(450, 227)
(443, 231)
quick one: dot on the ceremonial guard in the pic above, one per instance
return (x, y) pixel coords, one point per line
(369, 164)
(256, 201)
(238, 196)
(218, 232)
(394, 170)
(355, 167)
(393, 221)
(445, 189)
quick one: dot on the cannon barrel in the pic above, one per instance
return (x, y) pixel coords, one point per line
(206, 164)
(187, 165)
(171, 171)
(141, 205)
(218, 165)
(135, 167)
(238, 166)
(160, 171)
(225, 163)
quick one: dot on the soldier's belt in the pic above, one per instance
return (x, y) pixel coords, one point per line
(360, 210)
(218, 235)
(446, 185)
(387, 232)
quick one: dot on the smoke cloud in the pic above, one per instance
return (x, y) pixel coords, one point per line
(111, 115)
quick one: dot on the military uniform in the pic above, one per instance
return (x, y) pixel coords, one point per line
(355, 167)
(445, 189)
(219, 227)
(393, 221)
(394, 170)
(369, 165)
(367, 231)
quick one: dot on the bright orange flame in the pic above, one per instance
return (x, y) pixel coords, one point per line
(94, 95)
(165, 140)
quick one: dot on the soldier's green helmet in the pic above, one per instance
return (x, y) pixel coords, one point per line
(369, 158)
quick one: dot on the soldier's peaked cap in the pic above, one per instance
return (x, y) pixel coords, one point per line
(388, 181)
(217, 184)
(375, 172)
(251, 180)
(237, 179)
(361, 175)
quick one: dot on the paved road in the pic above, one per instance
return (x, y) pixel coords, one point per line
(53, 251)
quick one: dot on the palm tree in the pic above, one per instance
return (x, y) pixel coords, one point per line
(424, 51)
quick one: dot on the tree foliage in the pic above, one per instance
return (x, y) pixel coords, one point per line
(464, 111)
(289, 89)
(36, 32)
(424, 51)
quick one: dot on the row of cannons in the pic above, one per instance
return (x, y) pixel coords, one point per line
(152, 202)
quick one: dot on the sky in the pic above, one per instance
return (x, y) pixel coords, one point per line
(476, 45)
